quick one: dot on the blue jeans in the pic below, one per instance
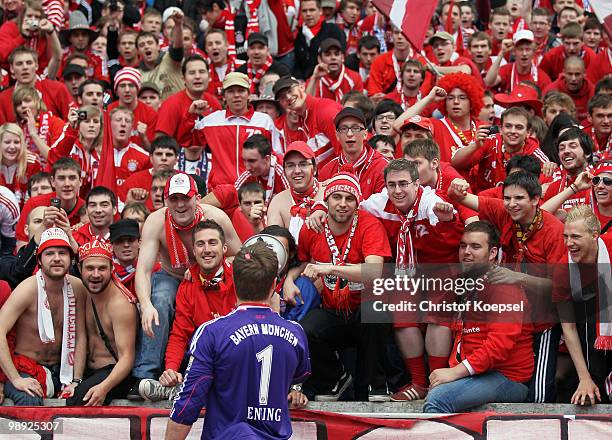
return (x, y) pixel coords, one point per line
(311, 297)
(473, 391)
(21, 398)
(151, 352)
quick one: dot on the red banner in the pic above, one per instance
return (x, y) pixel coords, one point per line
(114, 423)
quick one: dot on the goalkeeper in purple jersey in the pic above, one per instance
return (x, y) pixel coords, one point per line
(242, 365)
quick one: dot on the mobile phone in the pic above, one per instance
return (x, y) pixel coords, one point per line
(494, 129)
(56, 203)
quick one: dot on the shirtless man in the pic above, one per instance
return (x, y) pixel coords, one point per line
(167, 233)
(290, 207)
(110, 306)
(42, 359)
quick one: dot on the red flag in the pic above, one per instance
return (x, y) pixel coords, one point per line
(411, 16)
(106, 170)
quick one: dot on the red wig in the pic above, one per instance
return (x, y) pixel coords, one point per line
(469, 85)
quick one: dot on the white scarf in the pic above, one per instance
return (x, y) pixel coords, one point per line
(46, 330)
(604, 280)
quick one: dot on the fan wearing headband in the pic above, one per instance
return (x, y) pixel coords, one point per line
(111, 323)
(206, 295)
(167, 232)
(349, 252)
(47, 313)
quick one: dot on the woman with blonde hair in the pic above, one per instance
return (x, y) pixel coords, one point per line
(82, 141)
(17, 165)
(40, 127)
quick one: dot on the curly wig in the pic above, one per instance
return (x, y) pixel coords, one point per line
(469, 85)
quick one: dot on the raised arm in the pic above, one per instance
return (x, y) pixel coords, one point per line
(583, 182)
(458, 191)
(231, 237)
(462, 159)
(492, 77)
(436, 94)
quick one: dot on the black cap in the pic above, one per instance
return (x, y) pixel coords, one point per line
(126, 227)
(349, 112)
(330, 43)
(257, 37)
(284, 83)
(71, 69)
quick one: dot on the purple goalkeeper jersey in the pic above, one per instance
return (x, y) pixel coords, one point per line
(241, 368)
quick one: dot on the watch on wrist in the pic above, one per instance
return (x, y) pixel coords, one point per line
(77, 381)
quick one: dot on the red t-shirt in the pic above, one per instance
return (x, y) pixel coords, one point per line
(553, 60)
(128, 160)
(449, 140)
(409, 101)
(560, 182)
(44, 200)
(446, 175)
(506, 85)
(55, 95)
(353, 83)
(175, 110)
(11, 38)
(141, 179)
(142, 113)
(369, 239)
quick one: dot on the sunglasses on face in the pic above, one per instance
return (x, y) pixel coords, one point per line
(607, 181)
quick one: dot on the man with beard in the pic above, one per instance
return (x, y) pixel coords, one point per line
(492, 354)
(530, 238)
(167, 237)
(174, 110)
(366, 163)
(574, 83)
(349, 252)
(331, 79)
(575, 152)
(112, 317)
(208, 294)
(101, 208)
(291, 207)
(315, 117)
(47, 313)
(129, 157)
(524, 67)
(581, 289)
(127, 84)
(225, 131)
(125, 238)
(163, 155)
(491, 152)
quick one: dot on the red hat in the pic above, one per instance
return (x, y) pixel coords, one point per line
(181, 183)
(53, 237)
(128, 74)
(521, 95)
(301, 148)
(419, 121)
(604, 167)
(345, 181)
(95, 248)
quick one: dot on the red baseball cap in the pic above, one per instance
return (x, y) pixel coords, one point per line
(181, 183)
(53, 237)
(302, 148)
(419, 121)
(521, 95)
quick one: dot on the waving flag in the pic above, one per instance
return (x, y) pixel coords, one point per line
(411, 16)
(603, 11)
(106, 172)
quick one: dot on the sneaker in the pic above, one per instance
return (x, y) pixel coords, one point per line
(134, 394)
(152, 390)
(334, 394)
(378, 394)
(408, 393)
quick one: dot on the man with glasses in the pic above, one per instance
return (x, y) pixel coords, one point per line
(423, 228)
(544, 39)
(316, 117)
(368, 165)
(290, 207)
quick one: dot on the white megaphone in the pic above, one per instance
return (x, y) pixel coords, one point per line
(273, 243)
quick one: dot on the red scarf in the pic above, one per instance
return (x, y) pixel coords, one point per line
(304, 201)
(352, 33)
(405, 263)
(361, 164)
(337, 86)
(252, 25)
(255, 78)
(311, 32)
(177, 251)
(214, 76)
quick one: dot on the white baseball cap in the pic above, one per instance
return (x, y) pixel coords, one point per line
(181, 183)
(524, 34)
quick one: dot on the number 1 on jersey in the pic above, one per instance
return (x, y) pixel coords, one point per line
(265, 357)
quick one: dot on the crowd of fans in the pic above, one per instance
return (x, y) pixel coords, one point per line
(141, 144)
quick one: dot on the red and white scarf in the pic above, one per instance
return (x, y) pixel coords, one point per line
(514, 80)
(179, 257)
(46, 330)
(337, 86)
(604, 279)
(361, 164)
(311, 32)
(351, 32)
(254, 78)
(214, 76)
(252, 25)
(304, 201)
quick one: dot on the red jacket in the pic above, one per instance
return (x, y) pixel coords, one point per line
(11, 38)
(496, 341)
(195, 305)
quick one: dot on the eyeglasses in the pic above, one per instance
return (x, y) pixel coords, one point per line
(607, 181)
(383, 117)
(403, 185)
(303, 165)
(354, 129)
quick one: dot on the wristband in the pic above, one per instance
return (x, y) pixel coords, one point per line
(573, 188)
(77, 381)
